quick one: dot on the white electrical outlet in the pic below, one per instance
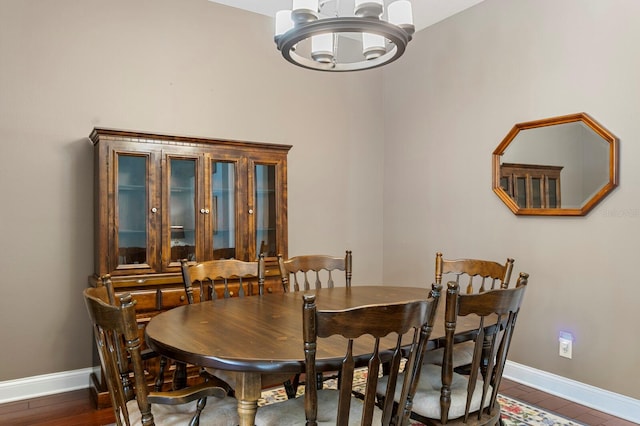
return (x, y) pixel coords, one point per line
(566, 344)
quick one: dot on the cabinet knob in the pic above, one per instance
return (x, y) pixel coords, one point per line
(154, 210)
(250, 211)
(182, 298)
(204, 211)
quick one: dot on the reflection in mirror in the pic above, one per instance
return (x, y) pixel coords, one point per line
(559, 166)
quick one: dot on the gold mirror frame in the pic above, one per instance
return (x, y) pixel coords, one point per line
(588, 204)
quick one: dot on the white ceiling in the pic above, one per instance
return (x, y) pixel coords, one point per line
(425, 12)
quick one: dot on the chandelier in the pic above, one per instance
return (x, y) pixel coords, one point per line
(313, 34)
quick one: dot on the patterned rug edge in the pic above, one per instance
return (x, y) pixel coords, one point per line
(518, 413)
(514, 412)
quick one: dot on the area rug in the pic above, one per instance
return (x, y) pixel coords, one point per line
(514, 412)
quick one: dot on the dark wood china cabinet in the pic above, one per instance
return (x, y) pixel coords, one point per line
(532, 185)
(161, 198)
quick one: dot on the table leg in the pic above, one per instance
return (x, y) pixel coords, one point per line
(248, 386)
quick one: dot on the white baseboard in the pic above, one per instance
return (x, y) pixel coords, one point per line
(602, 400)
(46, 384)
(599, 399)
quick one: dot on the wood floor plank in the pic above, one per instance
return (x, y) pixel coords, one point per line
(75, 409)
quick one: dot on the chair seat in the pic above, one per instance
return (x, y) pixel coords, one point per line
(217, 412)
(426, 401)
(462, 354)
(291, 411)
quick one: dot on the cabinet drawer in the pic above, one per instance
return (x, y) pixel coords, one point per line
(273, 287)
(270, 286)
(170, 298)
(145, 300)
(160, 299)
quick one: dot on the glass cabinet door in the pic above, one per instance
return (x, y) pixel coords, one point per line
(552, 186)
(521, 191)
(265, 210)
(223, 209)
(182, 209)
(131, 189)
(536, 192)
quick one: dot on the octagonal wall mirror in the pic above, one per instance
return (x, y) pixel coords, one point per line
(561, 166)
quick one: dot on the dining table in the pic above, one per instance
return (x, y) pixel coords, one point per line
(260, 335)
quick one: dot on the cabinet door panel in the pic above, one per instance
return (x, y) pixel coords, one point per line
(132, 207)
(181, 234)
(134, 212)
(265, 209)
(224, 209)
(267, 204)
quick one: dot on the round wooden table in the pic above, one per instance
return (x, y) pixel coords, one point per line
(263, 334)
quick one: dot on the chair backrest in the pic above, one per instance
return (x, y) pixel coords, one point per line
(481, 275)
(318, 266)
(116, 335)
(414, 318)
(221, 271)
(498, 311)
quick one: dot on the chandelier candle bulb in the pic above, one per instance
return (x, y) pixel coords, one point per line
(305, 5)
(283, 22)
(373, 46)
(322, 48)
(401, 14)
(368, 8)
(305, 10)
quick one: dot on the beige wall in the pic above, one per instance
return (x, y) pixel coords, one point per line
(171, 66)
(193, 67)
(451, 100)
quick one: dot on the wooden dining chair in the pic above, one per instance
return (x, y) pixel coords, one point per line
(208, 275)
(411, 319)
(154, 363)
(446, 397)
(232, 275)
(473, 276)
(320, 267)
(231, 278)
(118, 343)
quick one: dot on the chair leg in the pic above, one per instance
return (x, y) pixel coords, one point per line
(386, 368)
(180, 376)
(160, 376)
(195, 421)
(290, 389)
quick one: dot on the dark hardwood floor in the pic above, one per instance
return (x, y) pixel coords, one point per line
(65, 409)
(563, 407)
(75, 409)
